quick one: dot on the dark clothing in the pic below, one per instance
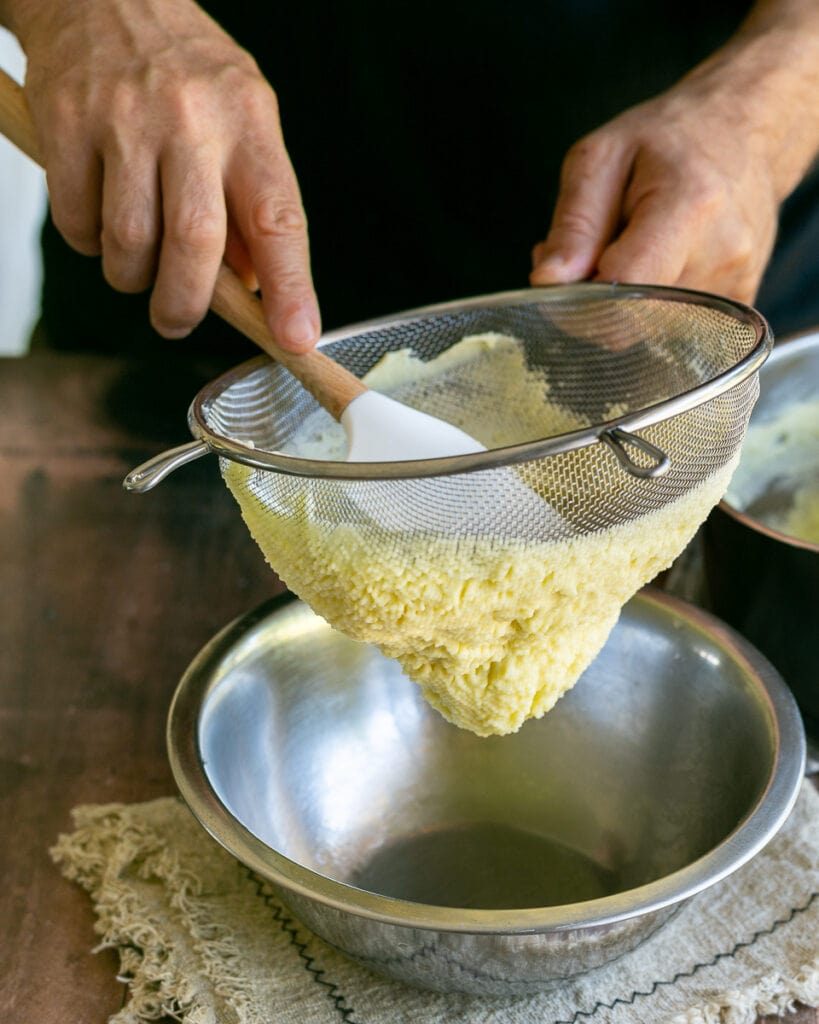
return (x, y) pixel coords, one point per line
(427, 140)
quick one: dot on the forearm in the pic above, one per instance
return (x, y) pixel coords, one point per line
(767, 75)
(135, 26)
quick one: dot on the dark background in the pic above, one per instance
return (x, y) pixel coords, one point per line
(427, 139)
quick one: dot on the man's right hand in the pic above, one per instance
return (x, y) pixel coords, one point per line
(164, 152)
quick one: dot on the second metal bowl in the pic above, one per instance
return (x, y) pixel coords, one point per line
(760, 580)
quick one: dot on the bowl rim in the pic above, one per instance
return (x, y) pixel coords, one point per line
(788, 347)
(759, 825)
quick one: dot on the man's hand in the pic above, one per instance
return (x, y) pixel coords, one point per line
(164, 153)
(685, 189)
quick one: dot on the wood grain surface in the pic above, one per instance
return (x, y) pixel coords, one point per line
(104, 599)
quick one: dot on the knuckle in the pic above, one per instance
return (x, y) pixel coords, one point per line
(709, 195)
(257, 99)
(736, 247)
(289, 288)
(745, 244)
(63, 107)
(586, 153)
(576, 222)
(196, 230)
(277, 216)
(62, 94)
(125, 102)
(129, 231)
(740, 255)
(189, 100)
(238, 68)
(78, 230)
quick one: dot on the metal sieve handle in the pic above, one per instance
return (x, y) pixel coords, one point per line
(617, 439)
(150, 473)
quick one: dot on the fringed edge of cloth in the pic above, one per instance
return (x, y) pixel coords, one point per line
(771, 994)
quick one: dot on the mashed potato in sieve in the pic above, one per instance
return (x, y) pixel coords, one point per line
(493, 628)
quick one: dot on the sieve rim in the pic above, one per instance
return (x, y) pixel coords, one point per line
(605, 432)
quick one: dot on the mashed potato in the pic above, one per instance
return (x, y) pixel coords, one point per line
(802, 521)
(780, 458)
(493, 629)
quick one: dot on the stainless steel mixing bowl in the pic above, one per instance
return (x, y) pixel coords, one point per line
(760, 580)
(500, 865)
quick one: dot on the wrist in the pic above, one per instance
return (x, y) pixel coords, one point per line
(766, 80)
(22, 17)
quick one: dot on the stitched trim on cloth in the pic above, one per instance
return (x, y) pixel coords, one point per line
(289, 927)
(804, 988)
(155, 882)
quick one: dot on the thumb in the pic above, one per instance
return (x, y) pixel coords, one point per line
(592, 182)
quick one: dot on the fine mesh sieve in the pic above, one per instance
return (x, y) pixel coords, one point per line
(664, 378)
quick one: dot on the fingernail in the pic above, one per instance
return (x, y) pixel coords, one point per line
(171, 333)
(300, 331)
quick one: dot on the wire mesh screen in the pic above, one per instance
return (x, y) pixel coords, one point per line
(598, 353)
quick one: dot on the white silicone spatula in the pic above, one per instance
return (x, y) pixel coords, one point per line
(378, 428)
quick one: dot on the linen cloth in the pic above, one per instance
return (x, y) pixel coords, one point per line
(204, 941)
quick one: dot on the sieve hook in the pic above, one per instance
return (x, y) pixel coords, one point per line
(617, 439)
(150, 473)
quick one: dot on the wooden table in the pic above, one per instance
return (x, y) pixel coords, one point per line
(104, 599)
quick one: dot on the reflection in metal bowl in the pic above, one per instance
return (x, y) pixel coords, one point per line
(499, 865)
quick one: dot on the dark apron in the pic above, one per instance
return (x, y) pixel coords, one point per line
(427, 139)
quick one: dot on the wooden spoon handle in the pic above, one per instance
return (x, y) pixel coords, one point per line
(328, 382)
(15, 120)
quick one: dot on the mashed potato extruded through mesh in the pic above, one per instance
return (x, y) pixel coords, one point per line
(494, 629)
